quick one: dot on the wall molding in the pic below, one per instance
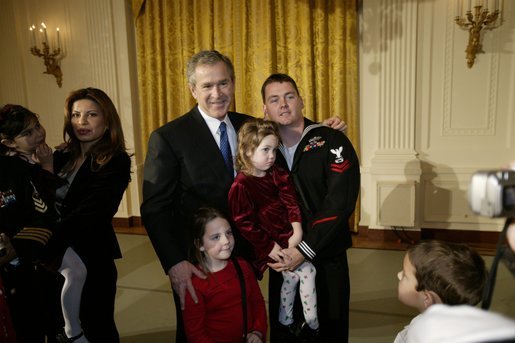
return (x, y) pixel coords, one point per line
(484, 241)
(129, 222)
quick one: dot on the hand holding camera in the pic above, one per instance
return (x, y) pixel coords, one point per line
(492, 194)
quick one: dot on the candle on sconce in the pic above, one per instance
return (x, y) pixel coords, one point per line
(459, 8)
(44, 31)
(33, 36)
(42, 35)
(58, 40)
(49, 52)
(480, 14)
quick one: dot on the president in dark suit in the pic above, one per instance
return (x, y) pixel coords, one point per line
(185, 169)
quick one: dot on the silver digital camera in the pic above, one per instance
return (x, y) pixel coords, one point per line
(492, 193)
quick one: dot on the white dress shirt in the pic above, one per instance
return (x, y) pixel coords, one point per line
(214, 127)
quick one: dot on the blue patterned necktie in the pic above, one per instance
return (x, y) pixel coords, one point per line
(225, 148)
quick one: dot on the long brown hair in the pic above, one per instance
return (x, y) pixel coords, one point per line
(112, 141)
(201, 218)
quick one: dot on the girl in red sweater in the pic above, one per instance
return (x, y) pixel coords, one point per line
(217, 317)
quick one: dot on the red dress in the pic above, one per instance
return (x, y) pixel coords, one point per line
(263, 209)
(218, 317)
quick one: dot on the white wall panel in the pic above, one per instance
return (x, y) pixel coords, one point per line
(389, 33)
(396, 204)
(466, 122)
(447, 119)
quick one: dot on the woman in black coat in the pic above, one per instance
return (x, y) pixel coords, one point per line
(96, 166)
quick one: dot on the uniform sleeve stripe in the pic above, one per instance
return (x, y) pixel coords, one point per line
(323, 220)
(307, 250)
(340, 168)
(41, 235)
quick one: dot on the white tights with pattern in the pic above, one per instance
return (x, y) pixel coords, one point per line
(305, 273)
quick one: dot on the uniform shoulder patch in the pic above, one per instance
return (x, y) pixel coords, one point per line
(314, 143)
(7, 198)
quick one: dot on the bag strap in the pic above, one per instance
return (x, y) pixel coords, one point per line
(243, 295)
(489, 287)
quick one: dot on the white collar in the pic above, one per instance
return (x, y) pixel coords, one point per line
(214, 124)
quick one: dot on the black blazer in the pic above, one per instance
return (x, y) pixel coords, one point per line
(184, 170)
(90, 205)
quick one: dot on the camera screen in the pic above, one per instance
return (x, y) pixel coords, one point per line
(509, 198)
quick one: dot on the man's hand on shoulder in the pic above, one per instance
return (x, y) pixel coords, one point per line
(336, 123)
(180, 277)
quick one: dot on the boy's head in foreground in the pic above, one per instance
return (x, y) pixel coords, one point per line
(436, 272)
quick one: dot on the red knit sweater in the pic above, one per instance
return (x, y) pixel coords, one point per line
(218, 315)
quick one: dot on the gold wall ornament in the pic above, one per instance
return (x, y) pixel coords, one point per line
(474, 23)
(51, 59)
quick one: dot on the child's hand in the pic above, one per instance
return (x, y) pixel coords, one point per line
(44, 156)
(276, 253)
(62, 147)
(254, 337)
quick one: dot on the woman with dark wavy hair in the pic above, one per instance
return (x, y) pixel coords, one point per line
(96, 166)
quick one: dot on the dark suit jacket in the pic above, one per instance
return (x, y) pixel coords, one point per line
(184, 170)
(90, 204)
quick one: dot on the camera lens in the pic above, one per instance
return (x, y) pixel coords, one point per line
(509, 198)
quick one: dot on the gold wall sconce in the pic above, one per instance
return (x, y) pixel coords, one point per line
(50, 59)
(486, 13)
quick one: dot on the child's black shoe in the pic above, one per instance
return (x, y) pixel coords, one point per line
(286, 334)
(306, 333)
(62, 338)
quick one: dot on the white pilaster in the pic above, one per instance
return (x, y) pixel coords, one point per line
(391, 170)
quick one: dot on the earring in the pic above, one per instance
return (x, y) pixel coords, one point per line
(201, 249)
